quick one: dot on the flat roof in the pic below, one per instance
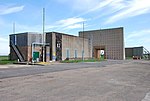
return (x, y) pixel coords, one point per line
(26, 33)
(63, 34)
(133, 47)
(102, 29)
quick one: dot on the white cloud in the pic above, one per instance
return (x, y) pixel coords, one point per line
(10, 9)
(100, 5)
(70, 21)
(139, 34)
(67, 24)
(133, 8)
(107, 7)
(75, 26)
(120, 9)
(61, 25)
(114, 9)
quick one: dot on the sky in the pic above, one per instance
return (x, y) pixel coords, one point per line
(67, 16)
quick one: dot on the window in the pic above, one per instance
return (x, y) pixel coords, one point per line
(75, 53)
(67, 54)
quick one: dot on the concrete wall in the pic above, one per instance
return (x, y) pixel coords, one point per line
(110, 39)
(67, 42)
(53, 46)
(73, 43)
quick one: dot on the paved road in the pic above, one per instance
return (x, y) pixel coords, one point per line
(31, 70)
(117, 81)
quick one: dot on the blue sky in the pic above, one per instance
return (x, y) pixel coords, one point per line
(67, 16)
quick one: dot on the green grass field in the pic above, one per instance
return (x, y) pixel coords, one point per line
(89, 60)
(5, 60)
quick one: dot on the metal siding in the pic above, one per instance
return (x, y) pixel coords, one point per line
(21, 39)
(138, 51)
(12, 38)
(129, 52)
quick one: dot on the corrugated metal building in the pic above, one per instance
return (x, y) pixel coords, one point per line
(134, 51)
(110, 41)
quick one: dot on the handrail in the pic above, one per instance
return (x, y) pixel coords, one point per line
(16, 51)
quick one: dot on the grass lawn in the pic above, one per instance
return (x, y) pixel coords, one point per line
(129, 58)
(5, 60)
(89, 60)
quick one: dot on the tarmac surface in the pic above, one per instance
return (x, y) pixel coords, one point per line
(110, 80)
(24, 70)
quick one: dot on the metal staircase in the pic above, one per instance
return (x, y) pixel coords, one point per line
(16, 51)
(146, 53)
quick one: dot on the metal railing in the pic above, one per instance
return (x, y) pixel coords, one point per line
(16, 51)
(146, 54)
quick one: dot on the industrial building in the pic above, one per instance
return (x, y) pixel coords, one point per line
(28, 46)
(63, 46)
(59, 46)
(110, 41)
(137, 53)
(21, 45)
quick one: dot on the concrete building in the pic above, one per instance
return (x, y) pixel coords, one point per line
(28, 46)
(109, 41)
(64, 46)
(59, 46)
